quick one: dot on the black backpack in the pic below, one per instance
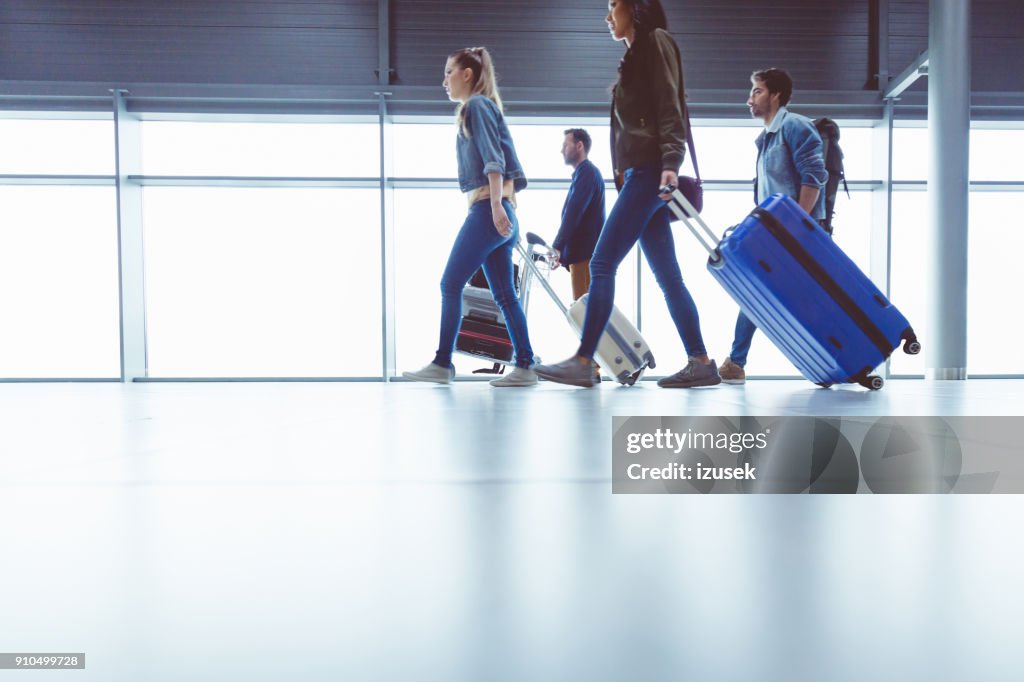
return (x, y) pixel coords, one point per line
(829, 131)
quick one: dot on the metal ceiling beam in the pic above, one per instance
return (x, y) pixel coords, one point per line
(917, 69)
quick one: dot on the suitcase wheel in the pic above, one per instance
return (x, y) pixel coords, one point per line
(824, 384)
(872, 382)
(910, 344)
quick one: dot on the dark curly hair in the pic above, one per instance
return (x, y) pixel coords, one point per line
(777, 81)
(647, 16)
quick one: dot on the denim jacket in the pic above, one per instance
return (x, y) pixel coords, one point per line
(789, 152)
(488, 148)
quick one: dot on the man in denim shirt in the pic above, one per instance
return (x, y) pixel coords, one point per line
(789, 161)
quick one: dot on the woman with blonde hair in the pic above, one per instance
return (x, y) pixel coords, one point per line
(490, 175)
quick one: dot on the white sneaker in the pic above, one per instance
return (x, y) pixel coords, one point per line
(517, 377)
(435, 374)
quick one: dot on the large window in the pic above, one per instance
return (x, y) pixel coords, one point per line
(262, 242)
(424, 150)
(262, 282)
(265, 260)
(58, 246)
(908, 264)
(254, 148)
(990, 150)
(992, 246)
(58, 272)
(993, 258)
(56, 146)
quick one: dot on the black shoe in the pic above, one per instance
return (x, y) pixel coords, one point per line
(694, 374)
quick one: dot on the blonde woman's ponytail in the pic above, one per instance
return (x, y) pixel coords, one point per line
(485, 81)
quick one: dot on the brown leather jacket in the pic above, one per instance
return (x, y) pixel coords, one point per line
(647, 125)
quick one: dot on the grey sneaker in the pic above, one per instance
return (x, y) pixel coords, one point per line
(694, 374)
(517, 377)
(433, 373)
(571, 371)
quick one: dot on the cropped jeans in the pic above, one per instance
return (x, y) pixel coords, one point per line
(479, 244)
(639, 214)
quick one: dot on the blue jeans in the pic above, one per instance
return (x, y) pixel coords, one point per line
(478, 243)
(741, 339)
(638, 214)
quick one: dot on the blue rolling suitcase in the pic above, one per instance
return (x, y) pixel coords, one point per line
(804, 293)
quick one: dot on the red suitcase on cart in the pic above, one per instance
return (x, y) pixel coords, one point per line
(482, 333)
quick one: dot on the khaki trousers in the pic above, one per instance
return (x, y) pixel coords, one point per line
(579, 273)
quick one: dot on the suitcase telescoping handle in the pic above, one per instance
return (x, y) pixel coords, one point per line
(531, 258)
(685, 211)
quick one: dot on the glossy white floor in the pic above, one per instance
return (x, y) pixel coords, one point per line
(413, 532)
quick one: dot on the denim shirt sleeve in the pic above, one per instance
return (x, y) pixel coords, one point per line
(482, 117)
(807, 150)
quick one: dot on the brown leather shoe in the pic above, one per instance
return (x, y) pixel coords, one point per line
(732, 373)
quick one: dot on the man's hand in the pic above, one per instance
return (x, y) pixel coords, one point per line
(553, 259)
(808, 198)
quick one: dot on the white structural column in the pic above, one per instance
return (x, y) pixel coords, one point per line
(387, 194)
(949, 118)
(128, 150)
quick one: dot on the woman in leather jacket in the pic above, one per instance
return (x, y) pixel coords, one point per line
(648, 143)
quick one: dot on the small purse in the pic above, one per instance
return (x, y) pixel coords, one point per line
(692, 188)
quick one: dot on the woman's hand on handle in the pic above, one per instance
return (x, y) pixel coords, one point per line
(668, 179)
